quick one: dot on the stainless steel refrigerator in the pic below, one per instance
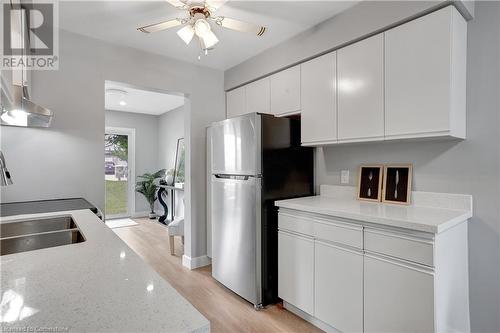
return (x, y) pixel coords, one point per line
(256, 159)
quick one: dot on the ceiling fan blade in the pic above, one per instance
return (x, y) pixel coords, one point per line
(177, 4)
(214, 5)
(240, 25)
(160, 26)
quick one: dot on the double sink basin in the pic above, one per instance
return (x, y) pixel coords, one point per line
(40, 233)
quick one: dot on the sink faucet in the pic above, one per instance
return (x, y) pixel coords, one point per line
(4, 173)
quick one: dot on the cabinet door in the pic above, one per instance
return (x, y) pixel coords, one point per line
(258, 96)
(418, 76)
(319, 105)
(360, 79)
(296, 270)
(285, 92)
(398, 297)
(236, 102)
(338, 293)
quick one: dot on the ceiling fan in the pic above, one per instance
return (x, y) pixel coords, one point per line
(200, 14)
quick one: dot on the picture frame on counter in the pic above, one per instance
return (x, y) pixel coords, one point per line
(398, 184)
(370, 182)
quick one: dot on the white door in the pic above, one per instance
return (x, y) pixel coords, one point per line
(398, 296)
(119, 172)
(319, 101)
(338, 286)
(296, 270)
(418, 75)
(258, 96)
(236, 102)
(285, 92)
(360, 80)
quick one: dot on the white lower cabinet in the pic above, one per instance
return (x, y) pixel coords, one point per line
(398, 297)
(338, 292)
(296, 270)
(352, 277)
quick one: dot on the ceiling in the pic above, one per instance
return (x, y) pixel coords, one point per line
(116, 22)
(138, 100)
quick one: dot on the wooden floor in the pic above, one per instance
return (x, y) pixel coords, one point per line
(226, 311)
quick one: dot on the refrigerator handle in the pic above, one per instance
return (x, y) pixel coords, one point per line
(236, 177)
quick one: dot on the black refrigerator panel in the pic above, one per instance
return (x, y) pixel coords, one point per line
(287, 172)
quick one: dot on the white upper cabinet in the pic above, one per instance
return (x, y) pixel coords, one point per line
(236, 102)
(408, 82)
(425, 69)
(360, 82)
(285, 92)
(319, 105)
(258, 96)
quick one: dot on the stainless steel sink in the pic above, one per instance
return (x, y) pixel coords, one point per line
(38, 234)
(39, 241)
(37, 226)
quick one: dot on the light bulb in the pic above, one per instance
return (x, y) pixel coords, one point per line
(201, 28)
(15, 117)
(186, 34)
(209, 40)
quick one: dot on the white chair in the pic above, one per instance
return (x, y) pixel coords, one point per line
(176, 228)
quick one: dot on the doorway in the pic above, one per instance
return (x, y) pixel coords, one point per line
(119, 172)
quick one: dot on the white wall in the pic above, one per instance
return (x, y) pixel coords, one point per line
(471, 166)
(146, 145)
(170, 129)
(66, 160)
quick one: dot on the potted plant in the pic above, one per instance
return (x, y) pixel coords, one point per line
(147, 186)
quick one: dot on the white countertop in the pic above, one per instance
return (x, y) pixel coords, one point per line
(95, 286)
(418, 218)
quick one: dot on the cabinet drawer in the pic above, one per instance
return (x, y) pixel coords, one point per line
(407, 247)
(351, 235)
(295, 224)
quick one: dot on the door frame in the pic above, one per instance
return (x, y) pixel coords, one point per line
(130, 132)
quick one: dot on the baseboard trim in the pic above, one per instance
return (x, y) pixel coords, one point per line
(141, 214)
(307, 317)
(196, 262)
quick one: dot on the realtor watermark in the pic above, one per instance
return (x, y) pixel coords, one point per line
(30, 35)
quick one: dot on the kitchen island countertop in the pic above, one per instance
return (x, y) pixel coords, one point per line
(99, 285)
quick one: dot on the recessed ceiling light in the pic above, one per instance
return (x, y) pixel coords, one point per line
(123, 103)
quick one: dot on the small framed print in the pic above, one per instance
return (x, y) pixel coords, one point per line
(370, 182)
(397, 184)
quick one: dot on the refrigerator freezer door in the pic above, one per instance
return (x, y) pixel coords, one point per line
(236, 223)
(236, 146)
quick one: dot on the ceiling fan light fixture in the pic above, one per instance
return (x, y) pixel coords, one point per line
(186, 33)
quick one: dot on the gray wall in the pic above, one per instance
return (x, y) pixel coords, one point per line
(170, 129)
(363, 19)
(146, 145)
(66, 160)
(470, 166)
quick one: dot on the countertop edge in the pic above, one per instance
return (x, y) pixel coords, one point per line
(412, 225)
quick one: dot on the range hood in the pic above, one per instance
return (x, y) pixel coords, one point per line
(19, 111)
